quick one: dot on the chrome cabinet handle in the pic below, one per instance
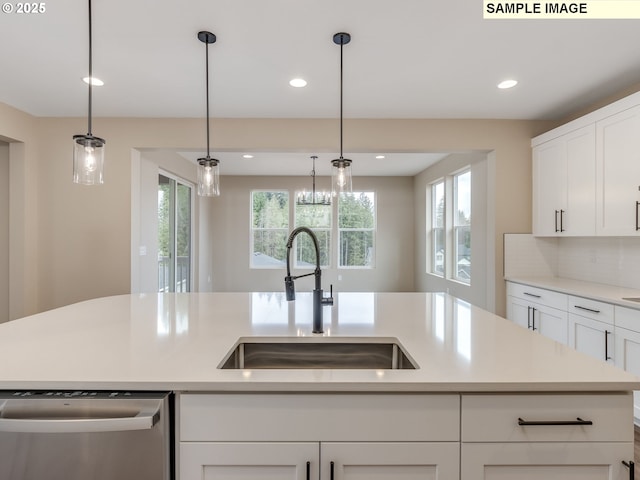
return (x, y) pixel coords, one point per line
(577, 421)
(632, 468)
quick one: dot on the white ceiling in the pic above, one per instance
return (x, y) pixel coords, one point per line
(407, 59)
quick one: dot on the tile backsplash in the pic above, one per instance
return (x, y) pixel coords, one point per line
(608, 260)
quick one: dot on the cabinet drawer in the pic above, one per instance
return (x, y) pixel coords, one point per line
(495, 418)
(319, 417)
(603, 312)
(538, 295)
(628, 318)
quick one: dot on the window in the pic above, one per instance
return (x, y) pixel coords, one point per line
(449, 239)
(269, 228)
(174, 235)
(356, 229)
(462, 226)
(318, 218)
(438, 250)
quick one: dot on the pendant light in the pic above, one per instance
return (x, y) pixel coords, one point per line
(88, 151)
(341, 167)
(208, 168)
(322, 198)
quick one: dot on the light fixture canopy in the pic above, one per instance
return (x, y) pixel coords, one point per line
(88, 151)
(341, 167)
(313, 197)
(208, 168)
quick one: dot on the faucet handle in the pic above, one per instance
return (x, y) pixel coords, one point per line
(328, 300)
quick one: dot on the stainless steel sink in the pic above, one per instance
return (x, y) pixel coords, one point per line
(309, 353)
(632, 299)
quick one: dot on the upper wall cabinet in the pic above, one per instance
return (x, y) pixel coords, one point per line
(618, 174)
(586, 174)
(564, 185)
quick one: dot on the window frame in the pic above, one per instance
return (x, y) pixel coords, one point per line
(456, 227)
(253, 229)
(432, 260)
(372, 229)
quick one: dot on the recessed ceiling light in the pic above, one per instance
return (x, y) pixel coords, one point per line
(246, 155)
(379, 157)
(507, 84)
(96, 82)
(298, 82)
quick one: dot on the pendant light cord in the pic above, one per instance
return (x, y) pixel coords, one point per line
(341, 47)
(90, 69)
(206, 46)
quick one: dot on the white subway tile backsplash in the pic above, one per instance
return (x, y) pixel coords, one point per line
(608, 260)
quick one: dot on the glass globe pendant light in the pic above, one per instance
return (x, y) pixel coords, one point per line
(208, 168)
(88, 151)
(341, 167)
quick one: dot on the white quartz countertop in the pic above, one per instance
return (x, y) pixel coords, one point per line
(177, 341)
(596, 291)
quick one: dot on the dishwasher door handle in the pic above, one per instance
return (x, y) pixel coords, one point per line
(144, 420)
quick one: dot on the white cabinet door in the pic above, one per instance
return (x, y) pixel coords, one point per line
(579, 217)
(628, 358)
(249, 461)
(390, 461)
(591, 337)
(618, 174)
(549, 186)
(547, 321)
(545, 461)
(564, 185)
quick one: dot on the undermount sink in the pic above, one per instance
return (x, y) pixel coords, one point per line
(632, 299)
(310, 353)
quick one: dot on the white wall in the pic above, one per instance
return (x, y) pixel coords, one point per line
(4, 232)
(230, 245)
(482, 244)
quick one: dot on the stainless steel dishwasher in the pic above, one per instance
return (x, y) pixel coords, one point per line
(72, 435)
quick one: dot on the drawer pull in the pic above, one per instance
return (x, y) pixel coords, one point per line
(308, 470)
(577, 421)
(532, 295)
(587, 309)
(632, 469)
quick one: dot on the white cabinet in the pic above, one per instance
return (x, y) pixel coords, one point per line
(564, 185)
(392, 461)
(249, 461)
(618, 174)
(591, 328)
(540, 437)
(305, 436)
(627, 335)
(536, 309)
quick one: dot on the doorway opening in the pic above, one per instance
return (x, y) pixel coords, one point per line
(175, 233)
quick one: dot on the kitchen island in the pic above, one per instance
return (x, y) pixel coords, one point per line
(487, 399)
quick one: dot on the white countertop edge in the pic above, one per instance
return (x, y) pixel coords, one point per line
(595, 291)
(334, 387)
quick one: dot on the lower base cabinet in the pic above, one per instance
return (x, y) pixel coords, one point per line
(324, 461)
(525, 436)
(545, 461)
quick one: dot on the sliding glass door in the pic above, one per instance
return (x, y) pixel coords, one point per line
(174, 234)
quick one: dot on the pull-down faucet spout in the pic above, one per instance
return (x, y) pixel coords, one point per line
(318, 299)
